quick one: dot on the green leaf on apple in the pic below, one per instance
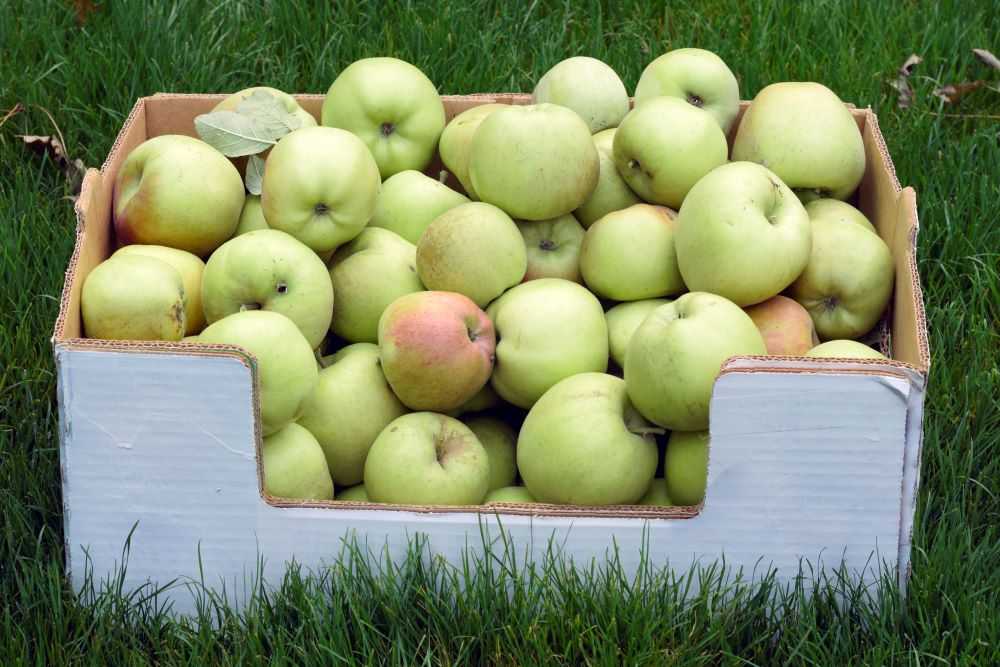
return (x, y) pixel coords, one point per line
(232, 134)
(269, 115)
(254, 174)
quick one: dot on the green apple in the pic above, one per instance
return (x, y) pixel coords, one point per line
(393, 107)
(834, 209)
(252, 217)
(535, 162)
(368, 273)
(685, 467)
(547, 330)
(665, 146)
(409, 201)
(629, 255)
(612, 192)
(485, 399)
(179, 192)
(322, 202)
(499, 440)
(847, 282)
(553, 248)
(286, 366)
(294, 467)
(355, 494)
(191, 269)
(349, 407)
(583, 443)
(509, 494)
(456, 140)
(269, 270)
(677, 352)
(698, 77)
(742, 234)
(436, 349)
(287, 101)
(844, 349)
(134, 297)
(426, 458)
(587, 86)
(623, 320)
(803, 132)
(656, 494)
(474, 249)
(787, 327)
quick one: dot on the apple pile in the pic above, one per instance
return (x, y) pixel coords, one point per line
(533, 337)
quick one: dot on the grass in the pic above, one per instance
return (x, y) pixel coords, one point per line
(89, 75)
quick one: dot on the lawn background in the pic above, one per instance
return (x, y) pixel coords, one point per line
(86, 69)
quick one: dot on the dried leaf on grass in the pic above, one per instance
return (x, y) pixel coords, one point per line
(954, 92)
(84, 8)
(987, 58)
(902, 81)
(10, 113)
(54, 146)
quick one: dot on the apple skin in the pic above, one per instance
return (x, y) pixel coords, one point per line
(499, 440)
(509, 494)
(409, 201)
(321, 202)
(803, 133)
(665, 146)
(587, 86)
(535, 162)
(474, 249)
(612, 192)
(134, 297)
(742, 234)
(677, 352)
(847, 282)
(294, 466)
(623, 320)
(657, 494)
(698, 77)
(547, 330)
(583, 443)
(269, 270)
(349, 407)
(456, 142)
(287, 101)
(786, 326)
(845, 349)
(286, 366)
(685, 468)
(178, 192)
(393, 107)
(437, 349)
(425, 458)
(553, 248)
(191, 269)
(368, 273)
(629, 255)
(485, 399)
(834, 209)
(252, 217)
(356, 494)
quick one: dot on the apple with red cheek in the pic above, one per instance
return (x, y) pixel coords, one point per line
(787, 327)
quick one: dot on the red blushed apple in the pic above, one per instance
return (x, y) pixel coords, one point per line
(436, 348)
(785, 325)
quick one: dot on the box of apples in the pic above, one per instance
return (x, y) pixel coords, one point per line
(675, 320)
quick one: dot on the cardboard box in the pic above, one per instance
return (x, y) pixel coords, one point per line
(809, 460)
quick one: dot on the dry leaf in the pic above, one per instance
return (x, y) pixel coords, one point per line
(911, 62)
(987, 58)
(10, 113)
(954, 92)
(84, 8)
(902, 81)
(51, 146)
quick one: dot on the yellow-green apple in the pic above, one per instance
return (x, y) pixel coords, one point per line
(252, 217)
(698, 77)
(485, 399)
(612, 192)
(847, 282)
(436, 348)
(456, 141)
(629, 255)
(286, 366)
(191, 269)
(685, 467)
(368, 273)
(587, 86)
(535, 162)
(841, 211)
(656, 494)
(179, 192)
(134, 297)
(269, 270)
(294, 466)
(623, 320)
(499, 440)
(677, 352)
(474, 249)
(665, 146)
(409, 201)
(355, 494)
(547, 330)
(583, 443)
(742, 234)
(287, 101)
(323, 202)
(553, 248)
(803, 132)
(845, 349)
(349, 407)
(425, 458)
(509, 494)
(393, 107)
(787, 327)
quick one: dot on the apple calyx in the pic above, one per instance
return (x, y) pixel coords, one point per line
(695, 100)
(634, 164)
(547, 244)
(321, 209)
(387, 129)
(282, 288)
(831, 303)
